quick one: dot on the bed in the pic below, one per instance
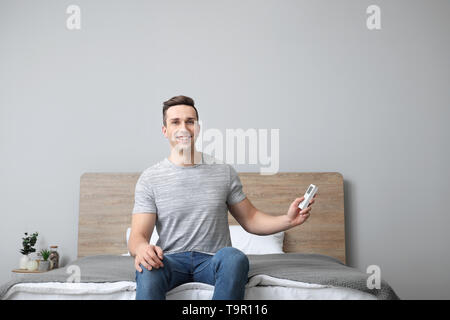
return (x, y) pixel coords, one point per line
(305, 262)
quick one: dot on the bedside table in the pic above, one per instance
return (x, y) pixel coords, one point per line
(16, 273)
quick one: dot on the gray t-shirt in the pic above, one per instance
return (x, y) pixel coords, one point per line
(190, 203)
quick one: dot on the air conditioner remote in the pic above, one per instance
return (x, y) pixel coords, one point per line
(309, 195)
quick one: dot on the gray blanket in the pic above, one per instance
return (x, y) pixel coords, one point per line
(309, 268)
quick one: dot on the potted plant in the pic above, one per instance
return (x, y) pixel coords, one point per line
(44, 264)
(28, 247)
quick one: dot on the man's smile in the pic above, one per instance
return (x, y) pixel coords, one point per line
(183, 138)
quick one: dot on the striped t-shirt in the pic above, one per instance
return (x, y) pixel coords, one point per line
(190, 203)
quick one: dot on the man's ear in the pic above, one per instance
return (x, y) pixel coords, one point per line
(164, 131)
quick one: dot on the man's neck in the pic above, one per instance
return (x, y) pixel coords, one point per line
(183, 159)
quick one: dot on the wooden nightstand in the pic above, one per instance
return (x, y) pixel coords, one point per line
(18, 272)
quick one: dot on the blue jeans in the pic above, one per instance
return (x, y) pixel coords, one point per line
(226, 270)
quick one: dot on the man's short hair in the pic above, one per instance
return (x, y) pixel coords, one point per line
(175, 101)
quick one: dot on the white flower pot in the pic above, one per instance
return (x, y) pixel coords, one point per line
(23, 263)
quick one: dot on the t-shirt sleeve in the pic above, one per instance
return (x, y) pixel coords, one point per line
(144, 200)
(235, 193)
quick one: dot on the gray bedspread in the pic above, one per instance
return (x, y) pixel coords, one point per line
(309, 268)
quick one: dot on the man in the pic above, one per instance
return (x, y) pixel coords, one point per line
(188, 196)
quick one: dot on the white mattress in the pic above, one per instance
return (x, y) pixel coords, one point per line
(259, 287)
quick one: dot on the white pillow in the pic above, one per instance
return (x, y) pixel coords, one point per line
(253, 244)
(246, 242)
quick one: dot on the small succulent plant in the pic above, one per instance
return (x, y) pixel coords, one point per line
(45, 254)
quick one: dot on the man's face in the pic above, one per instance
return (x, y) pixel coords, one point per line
(182, 127)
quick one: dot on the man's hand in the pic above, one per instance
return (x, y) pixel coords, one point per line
(149, 256)
(297, 217)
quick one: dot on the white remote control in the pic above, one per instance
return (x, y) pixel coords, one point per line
(309, 195)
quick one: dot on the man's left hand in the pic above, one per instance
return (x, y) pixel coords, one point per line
(296, 215)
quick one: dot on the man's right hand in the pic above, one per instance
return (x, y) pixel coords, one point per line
(149, 256)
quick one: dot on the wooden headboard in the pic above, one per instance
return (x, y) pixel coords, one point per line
(107, 199)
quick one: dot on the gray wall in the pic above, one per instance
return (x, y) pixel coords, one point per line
(372, 105)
